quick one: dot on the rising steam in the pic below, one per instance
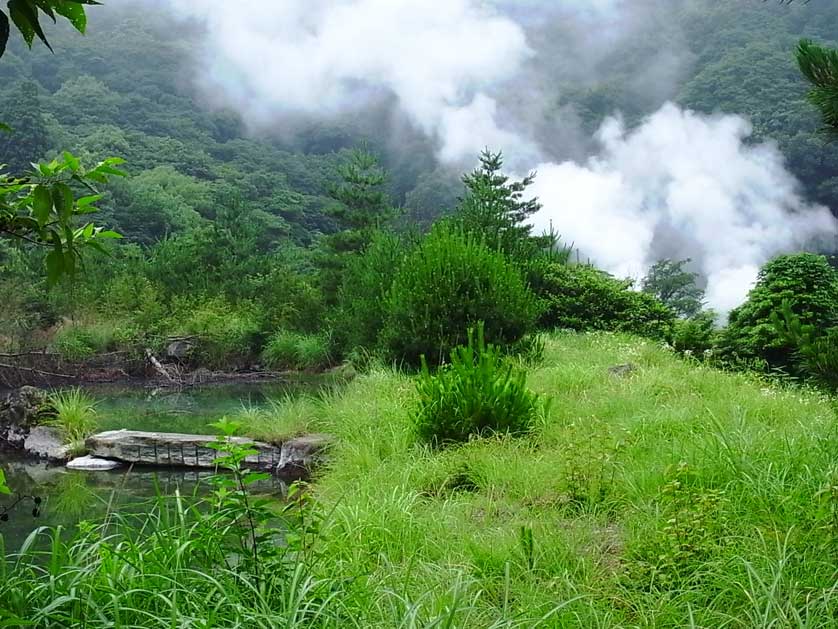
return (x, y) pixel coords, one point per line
(679, 185)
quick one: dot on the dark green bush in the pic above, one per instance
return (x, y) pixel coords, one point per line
(810, 287)
(477, 394)
(694, 335)
(362, 301)
(816, 350)
(581, 297)
(446, 285)
(227, 334)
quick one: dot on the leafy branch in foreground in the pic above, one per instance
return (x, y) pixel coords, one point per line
(26, 17)
(43, 209)
(819, 65)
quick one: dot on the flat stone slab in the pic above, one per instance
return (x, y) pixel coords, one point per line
(173, 449)
(92, 464)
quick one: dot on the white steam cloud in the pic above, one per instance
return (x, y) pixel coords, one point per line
(680, 185)
(687, 185)
(326, 56)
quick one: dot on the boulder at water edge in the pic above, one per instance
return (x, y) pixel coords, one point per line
(92, 464)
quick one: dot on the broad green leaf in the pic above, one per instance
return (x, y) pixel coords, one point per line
(55, 265)
(109, 234)
(69, 261)
(41, 204)
(3, 126)
(62, 197)
(110, 170)
(3, 487)
(71, 160)
(88, 200)
(4, 32)
(97, 246)
(253, 478)
(44, 5)
(21, 20)
(25, 18)
(74, 12)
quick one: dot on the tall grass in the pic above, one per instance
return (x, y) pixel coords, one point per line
(292, 350)
(75, 416)
(679, 496)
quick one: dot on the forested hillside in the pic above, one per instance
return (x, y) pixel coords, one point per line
(224, 215)
(128, 89)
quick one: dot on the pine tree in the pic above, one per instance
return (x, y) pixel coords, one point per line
(363, 208)
(496, 209)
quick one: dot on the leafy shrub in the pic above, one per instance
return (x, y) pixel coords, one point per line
(81, 339)
(810, 286)
(362, 299)
(292, 350)
(816, 351)
(137, 297)
(226, 333)
(694, 529)
(288, 299)
(367, 279)
(581, 297)
(695, 335)
(446, 285)
(476, 394)
(75, 415)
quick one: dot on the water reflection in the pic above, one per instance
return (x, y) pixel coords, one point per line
(70, 496)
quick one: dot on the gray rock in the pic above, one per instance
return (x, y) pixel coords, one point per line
(25, 407)
(622, 371)
(13, 435)
(92, 464)
(179, 349)
(45, 442)
(299, 456)
(172, 449)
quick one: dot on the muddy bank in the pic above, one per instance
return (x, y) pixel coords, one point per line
(46, 369)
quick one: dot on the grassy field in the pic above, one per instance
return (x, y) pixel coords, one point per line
(671, 496)
(675, 495)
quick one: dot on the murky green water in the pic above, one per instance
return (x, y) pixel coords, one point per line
(70, 496)
(191, 410)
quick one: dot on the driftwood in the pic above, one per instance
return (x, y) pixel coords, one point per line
(160, 369)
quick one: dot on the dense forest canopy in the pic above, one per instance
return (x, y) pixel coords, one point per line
(237, 174)
(130, 88)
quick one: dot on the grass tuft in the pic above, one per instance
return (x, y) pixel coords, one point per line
(75, 416)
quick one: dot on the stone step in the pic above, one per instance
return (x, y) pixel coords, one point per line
(295, 458)
(173, 449)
